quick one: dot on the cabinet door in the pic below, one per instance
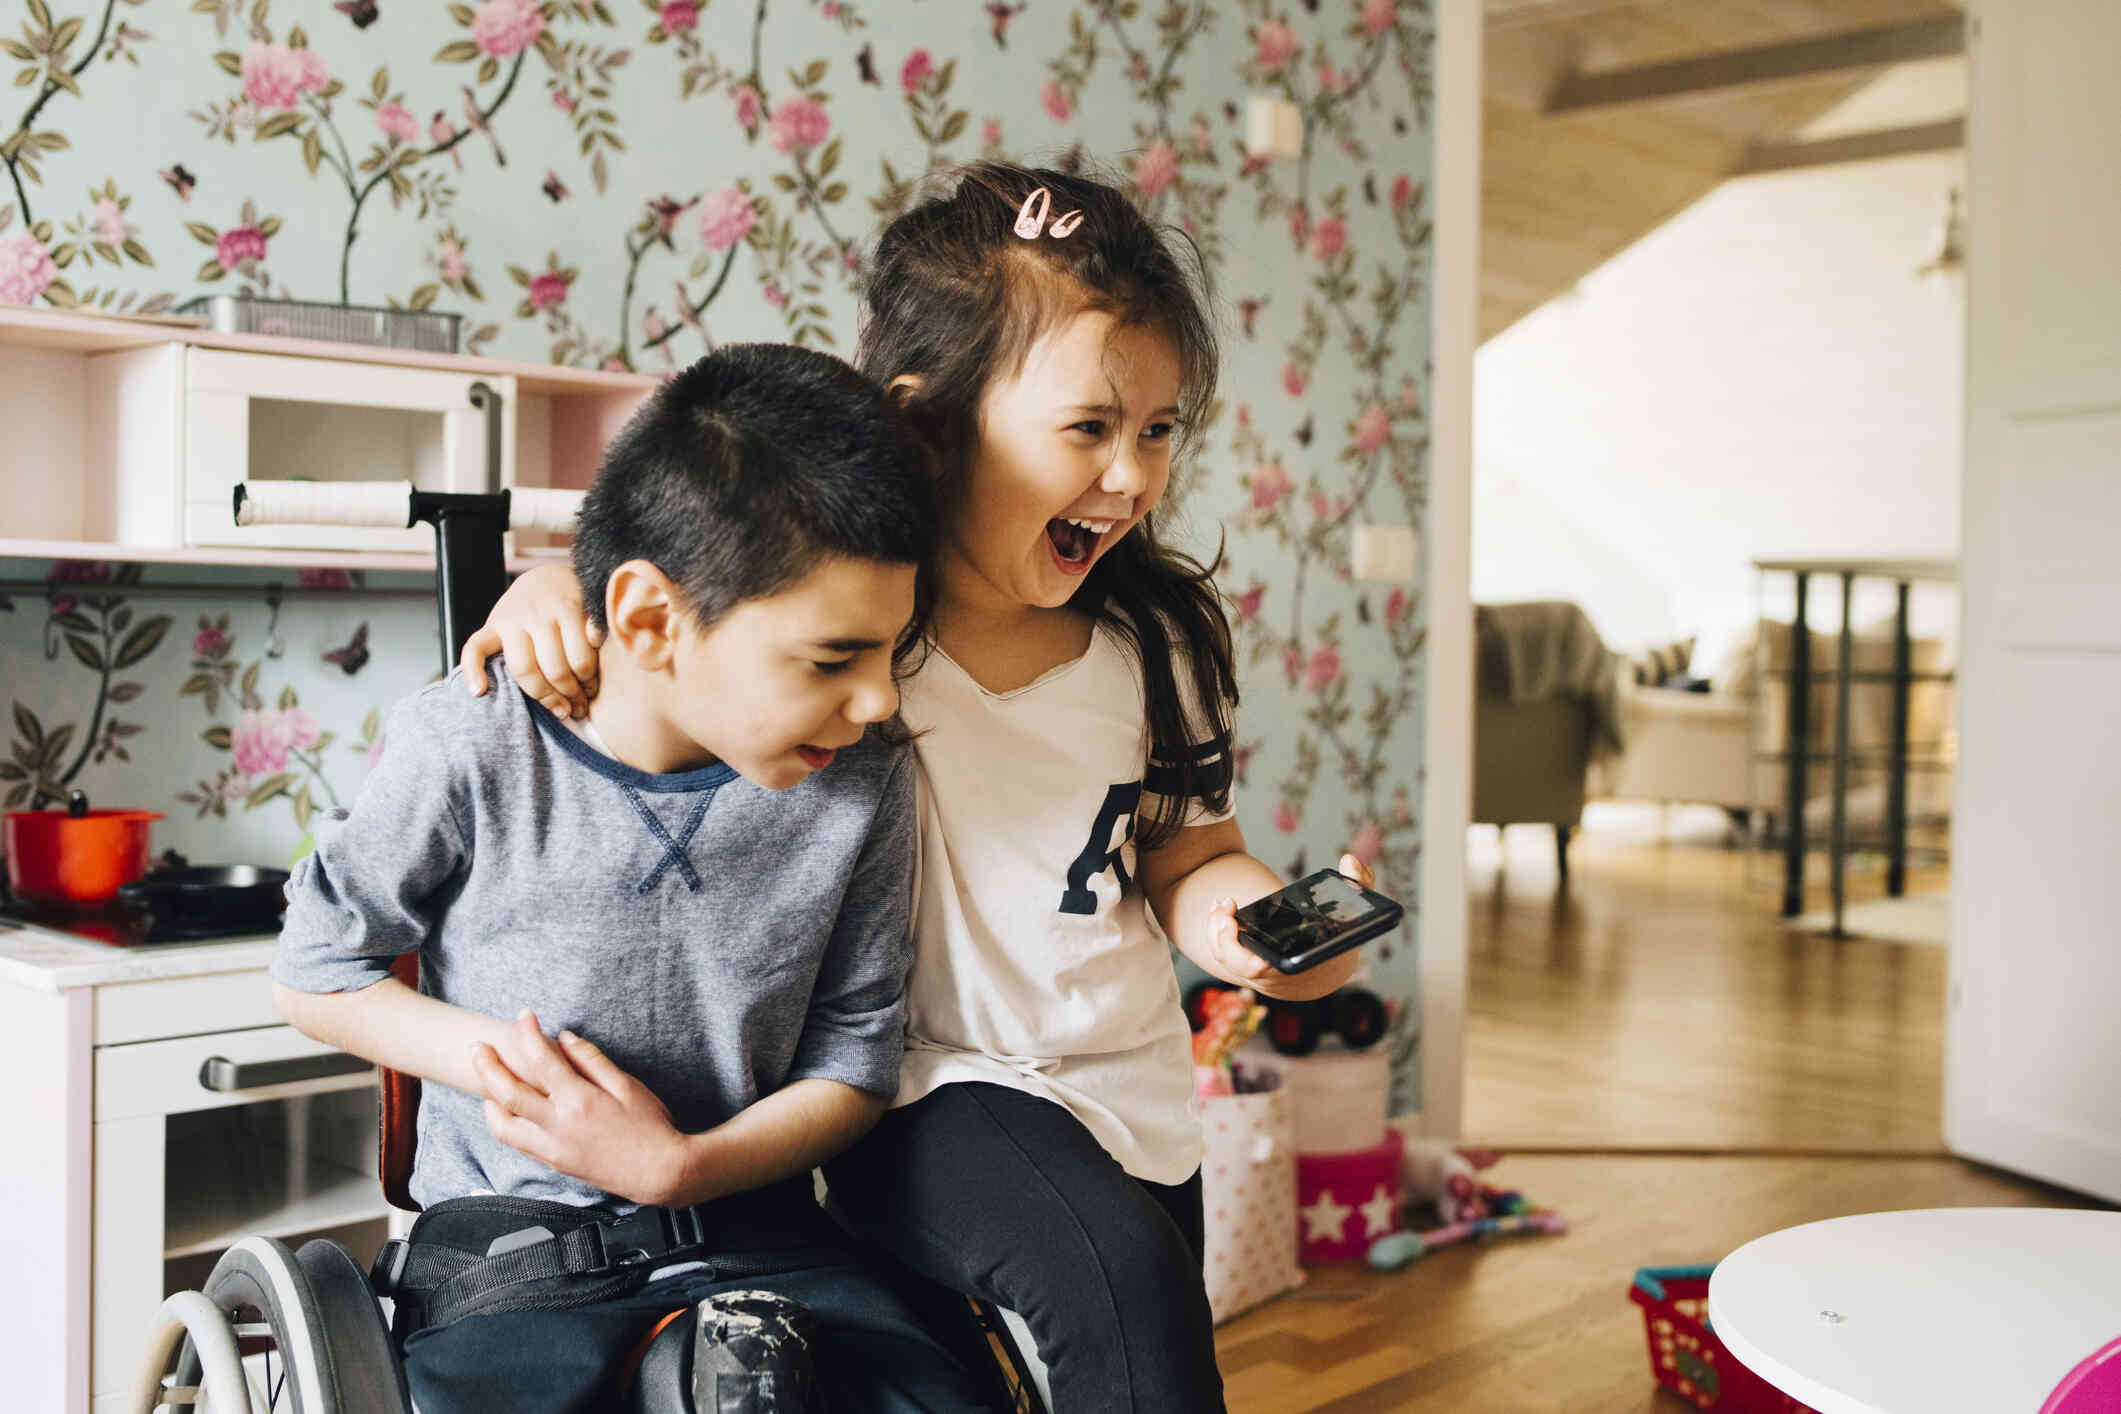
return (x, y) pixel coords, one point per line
(256, 417)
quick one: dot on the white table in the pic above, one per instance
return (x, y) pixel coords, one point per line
(1940, 1311)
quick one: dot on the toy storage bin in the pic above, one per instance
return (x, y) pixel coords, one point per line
(1685, 1355)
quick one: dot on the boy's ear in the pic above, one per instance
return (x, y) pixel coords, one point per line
(903, 389)
(641, 608)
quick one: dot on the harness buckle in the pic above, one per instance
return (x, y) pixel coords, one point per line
(648, 1234)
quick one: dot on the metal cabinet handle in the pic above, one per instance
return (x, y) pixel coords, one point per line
(221, 1073)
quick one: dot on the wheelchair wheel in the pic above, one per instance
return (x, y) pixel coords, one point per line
(311, 1317)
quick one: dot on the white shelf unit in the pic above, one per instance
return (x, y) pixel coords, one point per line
(294, 1168)
(122, 436)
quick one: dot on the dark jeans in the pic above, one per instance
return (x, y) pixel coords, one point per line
(872, 1354)
(1006, 1196)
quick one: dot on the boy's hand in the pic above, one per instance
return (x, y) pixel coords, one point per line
(550, 643)
(569, 1107)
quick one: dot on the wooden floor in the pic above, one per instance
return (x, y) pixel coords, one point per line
(1657, 1004)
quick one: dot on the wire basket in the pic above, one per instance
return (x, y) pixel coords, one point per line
(1685, 1355)
(427, 330)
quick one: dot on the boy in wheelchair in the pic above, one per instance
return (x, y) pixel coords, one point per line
(703, 887)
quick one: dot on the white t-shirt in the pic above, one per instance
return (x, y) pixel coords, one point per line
(1037, 966)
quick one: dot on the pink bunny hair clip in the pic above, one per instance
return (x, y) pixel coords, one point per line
(1030, 224)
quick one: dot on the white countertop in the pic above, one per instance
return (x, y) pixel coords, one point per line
(48, 961)
(1940, 1311)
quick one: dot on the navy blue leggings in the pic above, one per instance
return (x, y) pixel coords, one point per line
(1006, 1196)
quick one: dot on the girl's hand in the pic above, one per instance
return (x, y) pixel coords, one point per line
(1361, 873)
(570, 1108)
(1327, 977)
(550, 643)
(1228, 958)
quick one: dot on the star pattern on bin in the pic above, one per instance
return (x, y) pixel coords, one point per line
(1326, 1218)
(1377, 1214)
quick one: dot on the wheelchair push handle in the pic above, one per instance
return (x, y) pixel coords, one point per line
(396, 505)
(220, 1074)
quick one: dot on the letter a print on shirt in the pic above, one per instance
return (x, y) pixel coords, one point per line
(1103, 852)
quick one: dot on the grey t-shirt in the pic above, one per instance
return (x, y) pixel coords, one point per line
(718, 940)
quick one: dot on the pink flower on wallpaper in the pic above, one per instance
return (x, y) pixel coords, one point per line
(234, 789)
(1369, 842)
(1402, 807)
(1409, 398)
(1395, 606)
(1156, 169)
(1293, 381)
(563, 100)
(679, 17)
(375, 753)
(799, 124)
(398, 124)
(1320, 506)
(1247, 603)
(726, 217)
(1323, 669)
(747, 108)
(919, 65)
(831, 9)
(1377, 15)
(1269, 484)
(276, 77)
(1285, 817)
(1244, 416)
(1055, 99)
(1330, 79)
(775, 296)
(1402, 191)
(238, 244)
(260, 741)
(26, 269)
(208, 641)
(1329, 237)
(990, 133)
(300, 724)
(453, 267)
(1277, 44)
(505, 28)
(110, 222)
(1203, 138)
(548, 289)
(1299, 226)
(1373, 429)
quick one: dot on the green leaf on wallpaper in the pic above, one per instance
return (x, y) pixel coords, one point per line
(312, 151)
(142, 641)
(380, 84)
(202, 233)
(85, 652)
(250, 685)
(304, 808)
(40, 14)
(50, 141)
(9, 771)
(25, 77)
(267, 789)
(324, 740)
(125, 691)
(287, 697)
(489, 70)
(278, 125)
(55, 745)
(211, 270)
(954, 125)
(424, 296)
(462, 14)
(14, 49)
(219, 736)
(836, 192)
(457, 51)
(828, 159)
(18, 796)
(230, 62)
(812, 72)
(74, 621)
(297, 38)
(27, 724)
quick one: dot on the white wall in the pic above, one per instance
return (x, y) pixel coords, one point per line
(1763, 375)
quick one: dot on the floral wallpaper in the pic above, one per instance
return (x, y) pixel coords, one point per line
(603, 183)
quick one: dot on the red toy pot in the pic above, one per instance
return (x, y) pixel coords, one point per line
(83, 856)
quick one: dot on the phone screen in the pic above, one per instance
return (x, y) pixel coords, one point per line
(1311, 914)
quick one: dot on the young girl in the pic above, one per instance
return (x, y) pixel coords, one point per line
(1073, 720)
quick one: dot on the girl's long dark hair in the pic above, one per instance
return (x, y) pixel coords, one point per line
(956, 298)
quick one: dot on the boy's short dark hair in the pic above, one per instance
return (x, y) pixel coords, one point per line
(745, 470)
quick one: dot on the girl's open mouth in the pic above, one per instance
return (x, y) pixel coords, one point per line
(817, 758)
(1074, 541)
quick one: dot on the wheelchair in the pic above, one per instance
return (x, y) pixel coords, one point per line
(275, 1328)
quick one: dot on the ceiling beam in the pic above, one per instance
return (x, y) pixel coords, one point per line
(1940, 136)
(1773, 63)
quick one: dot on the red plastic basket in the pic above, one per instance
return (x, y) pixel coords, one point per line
(1685, 1355)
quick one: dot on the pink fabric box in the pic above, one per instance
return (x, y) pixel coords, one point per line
(1248, 1192)
(1347, 1201)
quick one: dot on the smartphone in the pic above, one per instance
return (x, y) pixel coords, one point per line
(1317, 917)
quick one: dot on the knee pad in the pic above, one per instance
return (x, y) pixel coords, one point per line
(741, 1352)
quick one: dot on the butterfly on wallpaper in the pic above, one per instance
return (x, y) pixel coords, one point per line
(363, 13)
(1369, 187)
(180, 181)
(554, 187)
(1230, 112)
(1362, 608)
(1303, 432)
(354, 656)
(1399, 124)
(998, 17)
(1248, 310)
(866, 62)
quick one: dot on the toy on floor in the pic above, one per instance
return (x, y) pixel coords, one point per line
(1446, 1175)
(1685, 1355)
(1389, 1254)
(1225, 1021)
